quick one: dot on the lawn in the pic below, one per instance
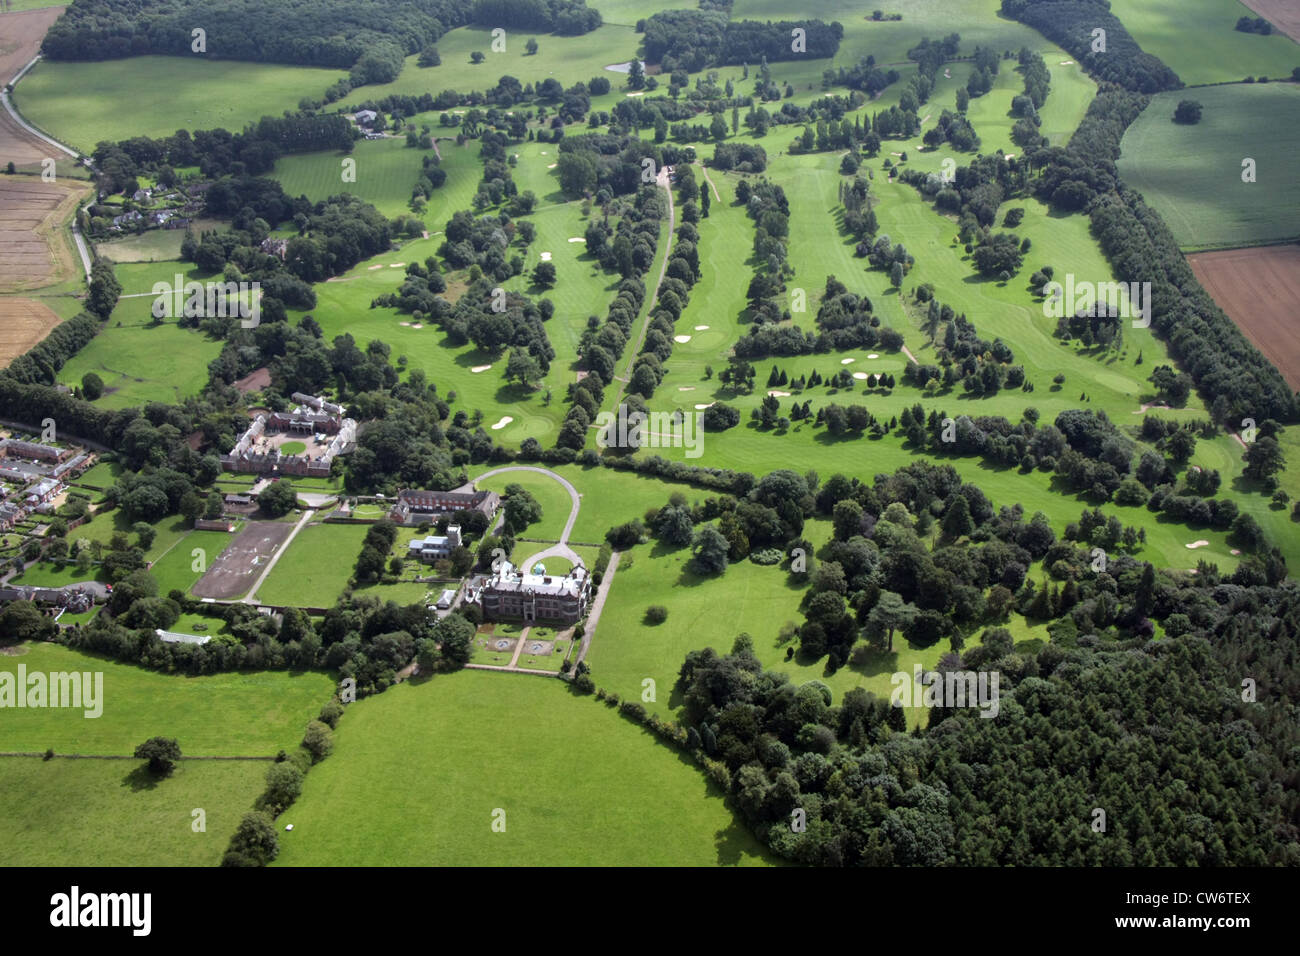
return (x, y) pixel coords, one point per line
(1196, 39)
(180, 567)
(386, 169)
(241, 714)
(550, 494)
(579, 785)
(315, 569)
(177, 365)
(1192, 174)
(101, 475)
(154, 245)
(84, 103)
(66, 812)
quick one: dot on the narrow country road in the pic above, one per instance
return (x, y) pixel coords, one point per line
(17, 118)
(251, 596)
(597, 605)
(561, 549)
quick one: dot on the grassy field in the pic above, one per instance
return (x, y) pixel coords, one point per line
(386, 169)
(242, 714)
(627, 649)
(175, 569)
(115, 813)
(154, 245)
(579, 785)
(177, 366)
(1197, 40)
(85, 103)
(1192, 174)
(316, 568)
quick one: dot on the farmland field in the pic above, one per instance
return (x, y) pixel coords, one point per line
(114, 813)
(1192, 175)
(470, 745)
(82, 103)
(34, 252)
(239, 714)
(1196, 38)
(1260, 289)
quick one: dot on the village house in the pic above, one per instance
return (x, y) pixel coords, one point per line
(365, 117)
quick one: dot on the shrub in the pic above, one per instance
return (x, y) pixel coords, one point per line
(319, 740)
(656, 614)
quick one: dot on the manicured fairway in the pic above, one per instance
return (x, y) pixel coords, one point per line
(84, 103)
(417, 772)
(242, 714)
(1192, 174)
(315, 569)
(65, 812)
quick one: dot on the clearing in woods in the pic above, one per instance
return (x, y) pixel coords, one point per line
(1260, 289)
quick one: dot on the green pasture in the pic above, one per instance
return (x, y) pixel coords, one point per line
(1192, 175)
(1196, 39)
(578, 785)
(83, 104)
(234, 714)
(65, 812)
(316, 568)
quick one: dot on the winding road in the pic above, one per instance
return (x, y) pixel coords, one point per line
(561, 549)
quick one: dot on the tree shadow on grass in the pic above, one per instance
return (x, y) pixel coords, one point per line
(142, 778)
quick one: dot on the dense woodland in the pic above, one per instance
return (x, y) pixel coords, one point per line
(694, 39)
(1072, 24)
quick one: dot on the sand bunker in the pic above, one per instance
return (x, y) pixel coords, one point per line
(480, 368)
(681, 339)
(847, 361)
(1067, 63)
(403, 323)
(778, 394)
(1236, 551)
(685, 388)
(698, 407)
(542, 153)
(637, 93)
(700, 328)
(1198, 544)
(874, 355)
(505, 420)
(416, 325)
(546, 257)
(860, 375)
(552, 166)
(373, 268)
(1009, 155)
(577, 239)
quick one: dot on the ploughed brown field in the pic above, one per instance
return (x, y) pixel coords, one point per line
(1283, 14)
(23, 323)
(1260, 289)
(33, 253)
(20, 40)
